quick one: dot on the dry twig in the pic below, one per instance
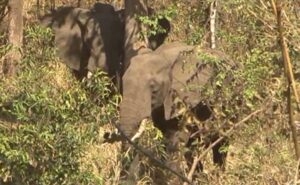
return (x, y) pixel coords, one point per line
(229, 132)
(297, 172)
(289, 75)
(285, 51)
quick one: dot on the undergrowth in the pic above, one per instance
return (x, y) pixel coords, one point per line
(261, 151)
(48, 118)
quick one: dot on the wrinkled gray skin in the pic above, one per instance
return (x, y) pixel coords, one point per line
(148, 88)
(89, 39)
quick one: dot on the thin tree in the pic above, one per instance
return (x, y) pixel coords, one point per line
(15, 36)
(3, 12)
(79, 3)
(213, 15)
(133, 8)
(278, 9)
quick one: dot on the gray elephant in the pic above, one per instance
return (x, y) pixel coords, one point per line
(88, 39)
(171, 71)
(91, 39)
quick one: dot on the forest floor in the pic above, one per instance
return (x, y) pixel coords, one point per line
(257, 155)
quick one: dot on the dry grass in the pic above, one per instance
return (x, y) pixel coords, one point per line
(102, 159)
(59, 76)
(258, 156)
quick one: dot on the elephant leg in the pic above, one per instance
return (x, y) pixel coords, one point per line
(131, 167)
(79, 75)
(175, 148)
(204, 112)
(195, 136)
(189, 154)
(131, 172)
(220, 152)
(176, 138)
(175, 141)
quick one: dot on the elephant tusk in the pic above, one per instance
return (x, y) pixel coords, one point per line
(115, 136)
(89, 75)
(141, 130)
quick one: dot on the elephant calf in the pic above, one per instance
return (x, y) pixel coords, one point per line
(171, 71)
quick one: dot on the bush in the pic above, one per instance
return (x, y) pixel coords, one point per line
(47, 117)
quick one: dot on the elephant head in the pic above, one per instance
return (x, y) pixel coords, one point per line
(146, 84)
(154, 79)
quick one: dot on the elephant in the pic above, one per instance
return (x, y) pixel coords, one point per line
(91, 39)
(88, 39)
(171, 71)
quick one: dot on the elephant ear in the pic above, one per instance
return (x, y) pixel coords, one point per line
(67, 24)
(190, 73)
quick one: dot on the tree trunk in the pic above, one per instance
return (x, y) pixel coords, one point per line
(213, 15)
(38, 8)
(79, 3)
(133, 8)
(15, 36)
(3, 5)
(52, 5)
(289, 75)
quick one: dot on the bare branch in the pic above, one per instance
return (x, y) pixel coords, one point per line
(228, 133)
(297, 172)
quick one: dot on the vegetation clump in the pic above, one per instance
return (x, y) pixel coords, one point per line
(48, 118)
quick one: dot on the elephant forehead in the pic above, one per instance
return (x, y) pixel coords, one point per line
(174, 46)
(172, 50)
(148, 63)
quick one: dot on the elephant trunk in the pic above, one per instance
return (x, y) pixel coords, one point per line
(130, 118)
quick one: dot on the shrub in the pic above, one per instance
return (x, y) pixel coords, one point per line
(48, 117)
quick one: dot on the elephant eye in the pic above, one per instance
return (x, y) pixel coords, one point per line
(154, 86)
